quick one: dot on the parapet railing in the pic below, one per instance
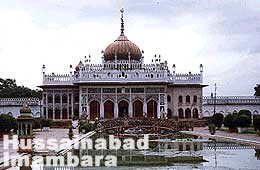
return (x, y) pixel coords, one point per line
(231, 100)
(19, 101)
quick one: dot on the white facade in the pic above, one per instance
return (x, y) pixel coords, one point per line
(13, 106)
(122, 85)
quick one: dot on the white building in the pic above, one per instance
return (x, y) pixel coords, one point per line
(230, 104)
(13, 106)
(122, 86)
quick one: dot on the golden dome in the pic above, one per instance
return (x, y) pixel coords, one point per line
(122, 48)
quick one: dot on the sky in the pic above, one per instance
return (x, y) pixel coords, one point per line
(222, 35)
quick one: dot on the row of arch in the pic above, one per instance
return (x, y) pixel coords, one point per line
(187, 114)
(137, 108)
(188, 99)
(123, 109)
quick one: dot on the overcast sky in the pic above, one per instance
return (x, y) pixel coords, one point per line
(223, 35)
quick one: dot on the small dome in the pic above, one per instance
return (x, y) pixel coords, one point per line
(77, 68)
(122, 48)
(25, 109)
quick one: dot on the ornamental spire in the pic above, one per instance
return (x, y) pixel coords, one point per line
(122, 21)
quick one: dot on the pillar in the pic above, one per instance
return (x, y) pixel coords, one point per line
(80, 102)
(72, 105)
(26, 129)
(130, 107)
(116, 107)
(53, 105)
(68, 105)
(46, 104)
(165, 103)
(158, 107)
(61, 116)
(101, 105)
(145, 104)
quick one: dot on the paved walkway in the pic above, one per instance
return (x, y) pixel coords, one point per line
(56, 134)
(252, 139)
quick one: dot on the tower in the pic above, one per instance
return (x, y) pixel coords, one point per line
(24, 122)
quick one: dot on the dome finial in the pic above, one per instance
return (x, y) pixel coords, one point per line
(122, 21)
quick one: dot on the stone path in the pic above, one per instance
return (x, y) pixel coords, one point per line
(57, 134)
(252, 139)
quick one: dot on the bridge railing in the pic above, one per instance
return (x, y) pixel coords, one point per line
(147, 122)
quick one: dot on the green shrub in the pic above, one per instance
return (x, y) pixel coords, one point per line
(46, 122)
(247, 113)
(86, 126)
(242, 121)
(257, 122)
(7, 122)
(37, 123)
(217, 120)
(229, 121)
(212, 129)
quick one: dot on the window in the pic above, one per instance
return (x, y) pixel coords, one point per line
(187, 99)
(195, 99)
(180, 99)
(169, 98)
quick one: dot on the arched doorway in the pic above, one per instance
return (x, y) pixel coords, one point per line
(187, 113)
(94, 109)
(152, 109)
(64, 114)
(123, 108)
(180, 113)
(109, 109)
(57, 114)
(169, 113)
(138, 109)
(195, 113)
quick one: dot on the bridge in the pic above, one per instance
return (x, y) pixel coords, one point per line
(148, 125)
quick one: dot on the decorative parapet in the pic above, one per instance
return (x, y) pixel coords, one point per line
(225, 100)
(187, 78)
(57, 79)
(122, 72)
(19, 101)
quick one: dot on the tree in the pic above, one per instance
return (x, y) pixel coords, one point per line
(247, 113)
(7, 83)
(217, 120)
(242, 121)
(257, 122)
(9, 89)
(7, 122)
(257, 90)
(229, 121)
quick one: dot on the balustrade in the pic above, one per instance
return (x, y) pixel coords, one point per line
(122, 71)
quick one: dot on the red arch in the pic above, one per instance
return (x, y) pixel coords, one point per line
(94, 110)
(180, 113)
(108, 109)
(138, 109)
(123, 108)
(187, 113)
(152, 109)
